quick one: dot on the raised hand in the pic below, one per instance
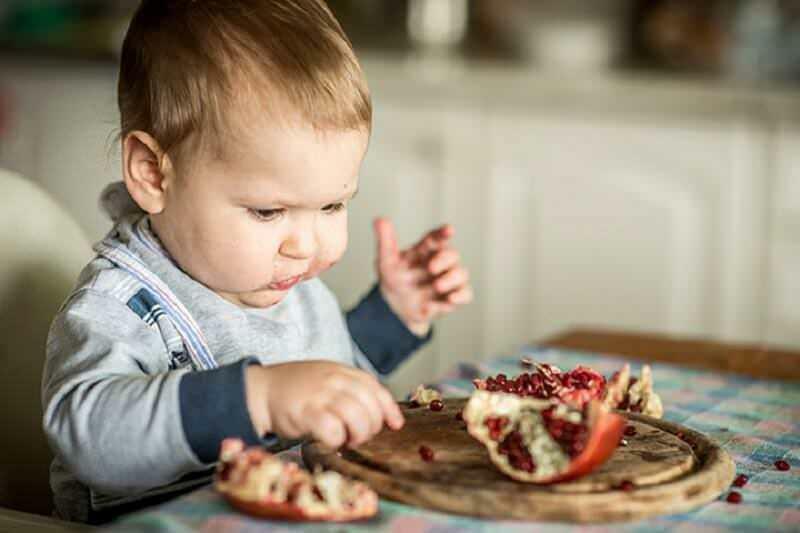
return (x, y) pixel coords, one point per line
(423, 281)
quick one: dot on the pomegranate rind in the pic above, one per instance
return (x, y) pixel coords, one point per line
(552, 463)
(606, 431)
(260, 484)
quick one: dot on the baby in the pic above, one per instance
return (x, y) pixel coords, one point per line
(243, 127)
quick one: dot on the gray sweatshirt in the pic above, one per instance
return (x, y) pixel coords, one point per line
(144, 373)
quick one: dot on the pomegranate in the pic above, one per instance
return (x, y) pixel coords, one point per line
(741, 480)
(424, 396)
(260, 484)
(580, 386)
(542, 441)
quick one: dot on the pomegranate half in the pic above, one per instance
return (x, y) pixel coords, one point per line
(542, 441)
(260, 484)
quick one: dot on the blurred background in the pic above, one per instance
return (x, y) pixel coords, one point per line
(631, 164)
(626, 164)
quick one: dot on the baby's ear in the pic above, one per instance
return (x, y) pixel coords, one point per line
(146, 169)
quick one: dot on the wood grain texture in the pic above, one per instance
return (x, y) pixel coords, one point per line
(755, 361)
(672, 475)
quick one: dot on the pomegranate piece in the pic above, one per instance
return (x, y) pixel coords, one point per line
(426, 453)
(436, 405)
(542, 441)
(782, 465)
(630, 431)
(580, 386)
(627, 486)
(734, 497)
(260, 484)
(424, 396)
(740, 481)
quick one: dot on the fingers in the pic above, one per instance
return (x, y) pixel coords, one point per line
(327, 428)
(461, 296)
(386, 238)
(443, 260)
(432, 241)
(451, 280)
(354, 417)
(366, 397)
(390, 411)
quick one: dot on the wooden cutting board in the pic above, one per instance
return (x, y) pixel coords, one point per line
(671, 474)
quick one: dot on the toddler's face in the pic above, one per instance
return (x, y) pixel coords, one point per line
(270, 214)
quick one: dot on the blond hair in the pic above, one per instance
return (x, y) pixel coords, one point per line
(187, 66)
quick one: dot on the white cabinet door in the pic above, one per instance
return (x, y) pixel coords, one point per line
(784, 287)
(628, 225)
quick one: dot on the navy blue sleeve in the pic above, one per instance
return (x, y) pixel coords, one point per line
(213, 407)
(380, 334)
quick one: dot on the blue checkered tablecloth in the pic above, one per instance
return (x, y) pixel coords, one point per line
(756, 421)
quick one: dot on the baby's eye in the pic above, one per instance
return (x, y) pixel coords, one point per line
(333, 208)
(266, 215)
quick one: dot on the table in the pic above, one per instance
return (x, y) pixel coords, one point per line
(756, 420)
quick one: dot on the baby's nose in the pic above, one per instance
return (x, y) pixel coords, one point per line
(301, 243)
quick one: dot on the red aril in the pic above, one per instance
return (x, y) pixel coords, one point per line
(542, 441)
(580, 386)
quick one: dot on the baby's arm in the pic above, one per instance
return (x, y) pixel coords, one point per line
(112, 408)
(382, 341)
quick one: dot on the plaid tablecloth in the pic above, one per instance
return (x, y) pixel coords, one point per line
(756, 421)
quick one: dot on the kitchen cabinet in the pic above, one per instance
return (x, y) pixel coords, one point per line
(783, 310)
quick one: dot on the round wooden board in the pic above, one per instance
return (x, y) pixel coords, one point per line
(671, 475)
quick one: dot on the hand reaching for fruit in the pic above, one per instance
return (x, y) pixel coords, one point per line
(333, 403)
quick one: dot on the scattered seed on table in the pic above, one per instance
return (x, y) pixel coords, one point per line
(782, 465)
(741, 480)
(734, 497)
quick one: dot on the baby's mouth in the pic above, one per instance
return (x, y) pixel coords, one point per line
(285, 284)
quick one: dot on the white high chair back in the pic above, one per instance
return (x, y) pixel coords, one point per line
(42, 250)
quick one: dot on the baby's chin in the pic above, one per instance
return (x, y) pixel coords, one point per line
(261, 299)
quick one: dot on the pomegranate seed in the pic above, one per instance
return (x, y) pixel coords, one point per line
(413, 404)
(436, 405)
(782, 465)
(459, 416)
(680, 435)
(627, 486)
(426, 453)
(630, 431)
(500, 379)
(741, 480)
(623, 442)
(734, 497)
